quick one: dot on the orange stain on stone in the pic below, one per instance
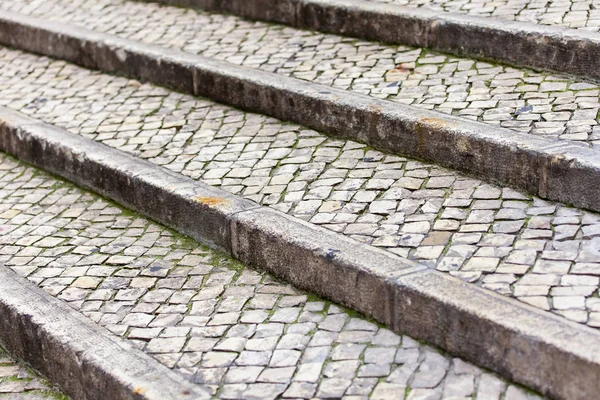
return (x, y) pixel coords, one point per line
(437, 122)
(211, 201)
(373, 107)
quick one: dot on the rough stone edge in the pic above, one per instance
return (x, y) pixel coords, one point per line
(488, 329)
(550, 168)
(84, 359)
(518, 43)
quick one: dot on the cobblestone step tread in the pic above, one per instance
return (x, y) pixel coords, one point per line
(549, 168)
(422, 24)
(393, 291)
(232, 330)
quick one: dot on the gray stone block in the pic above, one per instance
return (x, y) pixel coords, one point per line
(319, 260)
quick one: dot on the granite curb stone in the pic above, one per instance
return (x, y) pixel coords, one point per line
(517, 43)
(488, 329)
(549, 168)
(87, 361)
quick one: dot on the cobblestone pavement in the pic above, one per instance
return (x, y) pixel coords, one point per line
(18, 382)
(574, 14)
(542, 253)
(236, 331)
(519, 99)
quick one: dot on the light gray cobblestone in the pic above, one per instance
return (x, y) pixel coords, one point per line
(544, 254)
(235, 331)
(17, 382)
(519, 99)
(568, 13)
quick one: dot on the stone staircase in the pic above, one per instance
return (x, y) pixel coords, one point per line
(372, 154)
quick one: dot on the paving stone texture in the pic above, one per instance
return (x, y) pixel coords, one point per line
(17, 382)
(570, 13)
(542, 253)
(519, 99)
(238, 332)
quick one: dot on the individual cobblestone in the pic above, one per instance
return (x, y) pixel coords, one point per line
(545, 254)
(518, 99)
(18, 382)
(235, 331)
(576, 14)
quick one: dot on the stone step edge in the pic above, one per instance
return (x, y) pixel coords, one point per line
(550, 168)
(538, 349)
(524, 44)
(85, 360)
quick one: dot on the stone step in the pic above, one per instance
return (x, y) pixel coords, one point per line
(561, 170)
(409, 298)
(536, 40)
(213, 324)
(85, 360)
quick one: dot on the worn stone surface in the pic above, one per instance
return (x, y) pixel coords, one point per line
(239, 332)
(18, 382)
(519, 99)
(542, 253)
